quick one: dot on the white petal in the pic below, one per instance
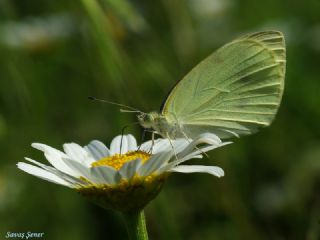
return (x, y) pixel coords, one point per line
(129, 169)
(154, 163)
(56, 160)
(132, 143)
(74, 151)
(124, 144)
(115, 145)
(146, 146)
(195, 154)
(43, 174)
(207, 138)
(60, 174)
(97, 149)
(79, 170)
(128, 143)
(180, 144)
(55, 157)
(200, 151)
(161, 145)
(105, 175)
(78, 153)
(44, 148)
(216, 171)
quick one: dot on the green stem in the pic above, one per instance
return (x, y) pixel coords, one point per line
(136, 225)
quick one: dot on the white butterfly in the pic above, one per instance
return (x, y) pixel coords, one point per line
(232, 92)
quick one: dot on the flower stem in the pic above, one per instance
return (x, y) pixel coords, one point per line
(136, 225)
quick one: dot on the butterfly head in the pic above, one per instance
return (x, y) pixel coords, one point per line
(147, 120)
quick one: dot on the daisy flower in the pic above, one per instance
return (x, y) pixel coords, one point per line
(124, 176)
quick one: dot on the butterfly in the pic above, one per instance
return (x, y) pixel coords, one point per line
(233, 92)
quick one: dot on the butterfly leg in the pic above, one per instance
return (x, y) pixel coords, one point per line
(170, 141)
(152, 137)
(143, 134)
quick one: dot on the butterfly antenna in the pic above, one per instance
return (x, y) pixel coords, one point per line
(131, 109)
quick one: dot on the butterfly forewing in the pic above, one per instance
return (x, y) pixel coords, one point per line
(234, 91)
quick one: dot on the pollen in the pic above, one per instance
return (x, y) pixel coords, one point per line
(116, 161)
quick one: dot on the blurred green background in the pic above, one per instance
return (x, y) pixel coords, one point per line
(54, 54)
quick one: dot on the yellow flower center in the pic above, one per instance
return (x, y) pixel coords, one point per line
(129, 195)
(117, 160)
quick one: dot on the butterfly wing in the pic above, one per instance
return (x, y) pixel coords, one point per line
(234, 91)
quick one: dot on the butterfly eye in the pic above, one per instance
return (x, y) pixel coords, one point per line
(149, 118)
(145, 119)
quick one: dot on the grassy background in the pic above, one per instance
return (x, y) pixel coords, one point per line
(53, 54)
